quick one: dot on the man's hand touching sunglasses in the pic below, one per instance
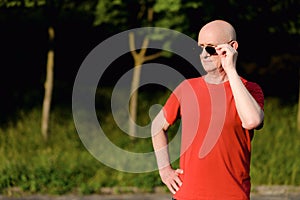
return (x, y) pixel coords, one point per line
(211, 49)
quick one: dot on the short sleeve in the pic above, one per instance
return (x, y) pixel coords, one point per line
(172, 106)
(257, 93)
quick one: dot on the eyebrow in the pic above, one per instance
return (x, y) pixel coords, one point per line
(199, 44)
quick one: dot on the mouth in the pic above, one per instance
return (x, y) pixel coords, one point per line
(208, 63)
(206, 60)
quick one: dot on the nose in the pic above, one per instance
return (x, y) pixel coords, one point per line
(204, 54)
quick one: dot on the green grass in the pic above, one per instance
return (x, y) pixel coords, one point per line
(276, 147)
(63, 165)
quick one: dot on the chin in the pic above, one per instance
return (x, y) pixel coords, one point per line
(210, 68)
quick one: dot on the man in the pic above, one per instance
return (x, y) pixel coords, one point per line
(219, 112)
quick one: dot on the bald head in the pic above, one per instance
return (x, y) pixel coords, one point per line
(216, 32)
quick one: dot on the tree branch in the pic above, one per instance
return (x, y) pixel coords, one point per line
(144, 46)
(132, 45)
(152, 57)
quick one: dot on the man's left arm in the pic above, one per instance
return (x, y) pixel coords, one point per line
(250, 112)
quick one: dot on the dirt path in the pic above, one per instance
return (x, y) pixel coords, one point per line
(259, 193)
(141, 197)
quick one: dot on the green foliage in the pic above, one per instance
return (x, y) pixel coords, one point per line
(23, 3)
(170, 5)
(110, 12)
(275, 157)
(63, 165)
(34, 166)
(165, 13)
(274, 16)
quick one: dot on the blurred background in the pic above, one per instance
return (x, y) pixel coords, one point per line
(41, 37)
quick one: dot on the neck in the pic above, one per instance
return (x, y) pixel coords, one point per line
(216, 78)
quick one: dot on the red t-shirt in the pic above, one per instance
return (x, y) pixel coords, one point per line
(215, 148)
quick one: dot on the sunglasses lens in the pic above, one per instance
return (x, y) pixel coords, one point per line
(210, 50)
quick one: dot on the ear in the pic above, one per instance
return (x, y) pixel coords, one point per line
(234, 44)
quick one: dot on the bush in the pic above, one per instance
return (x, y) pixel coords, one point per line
(63, 165)
(276, 147)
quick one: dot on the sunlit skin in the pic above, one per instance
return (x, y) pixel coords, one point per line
(220, 68)
(218, 34)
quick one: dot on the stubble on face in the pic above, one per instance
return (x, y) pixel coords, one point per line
(214, 33)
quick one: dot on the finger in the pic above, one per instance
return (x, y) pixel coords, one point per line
(172, 190)
(179, 171)
(178, 181)
(221, 51)
(175, 186)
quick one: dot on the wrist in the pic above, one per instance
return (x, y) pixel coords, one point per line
(232, 73)
(165, 169)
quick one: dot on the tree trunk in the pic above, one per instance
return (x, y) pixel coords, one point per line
(298, 115)
(139, 59)
(134, 98)
(48, 88)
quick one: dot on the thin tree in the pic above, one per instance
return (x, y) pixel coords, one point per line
(52, 8)
(48, 87)
(116, 13)
(50, 59)
(139, 59)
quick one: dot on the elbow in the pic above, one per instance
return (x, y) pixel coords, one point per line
(159, 124)
(254, 123)
(251, 125)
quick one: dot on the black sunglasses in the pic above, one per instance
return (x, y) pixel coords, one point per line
(211, 49)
